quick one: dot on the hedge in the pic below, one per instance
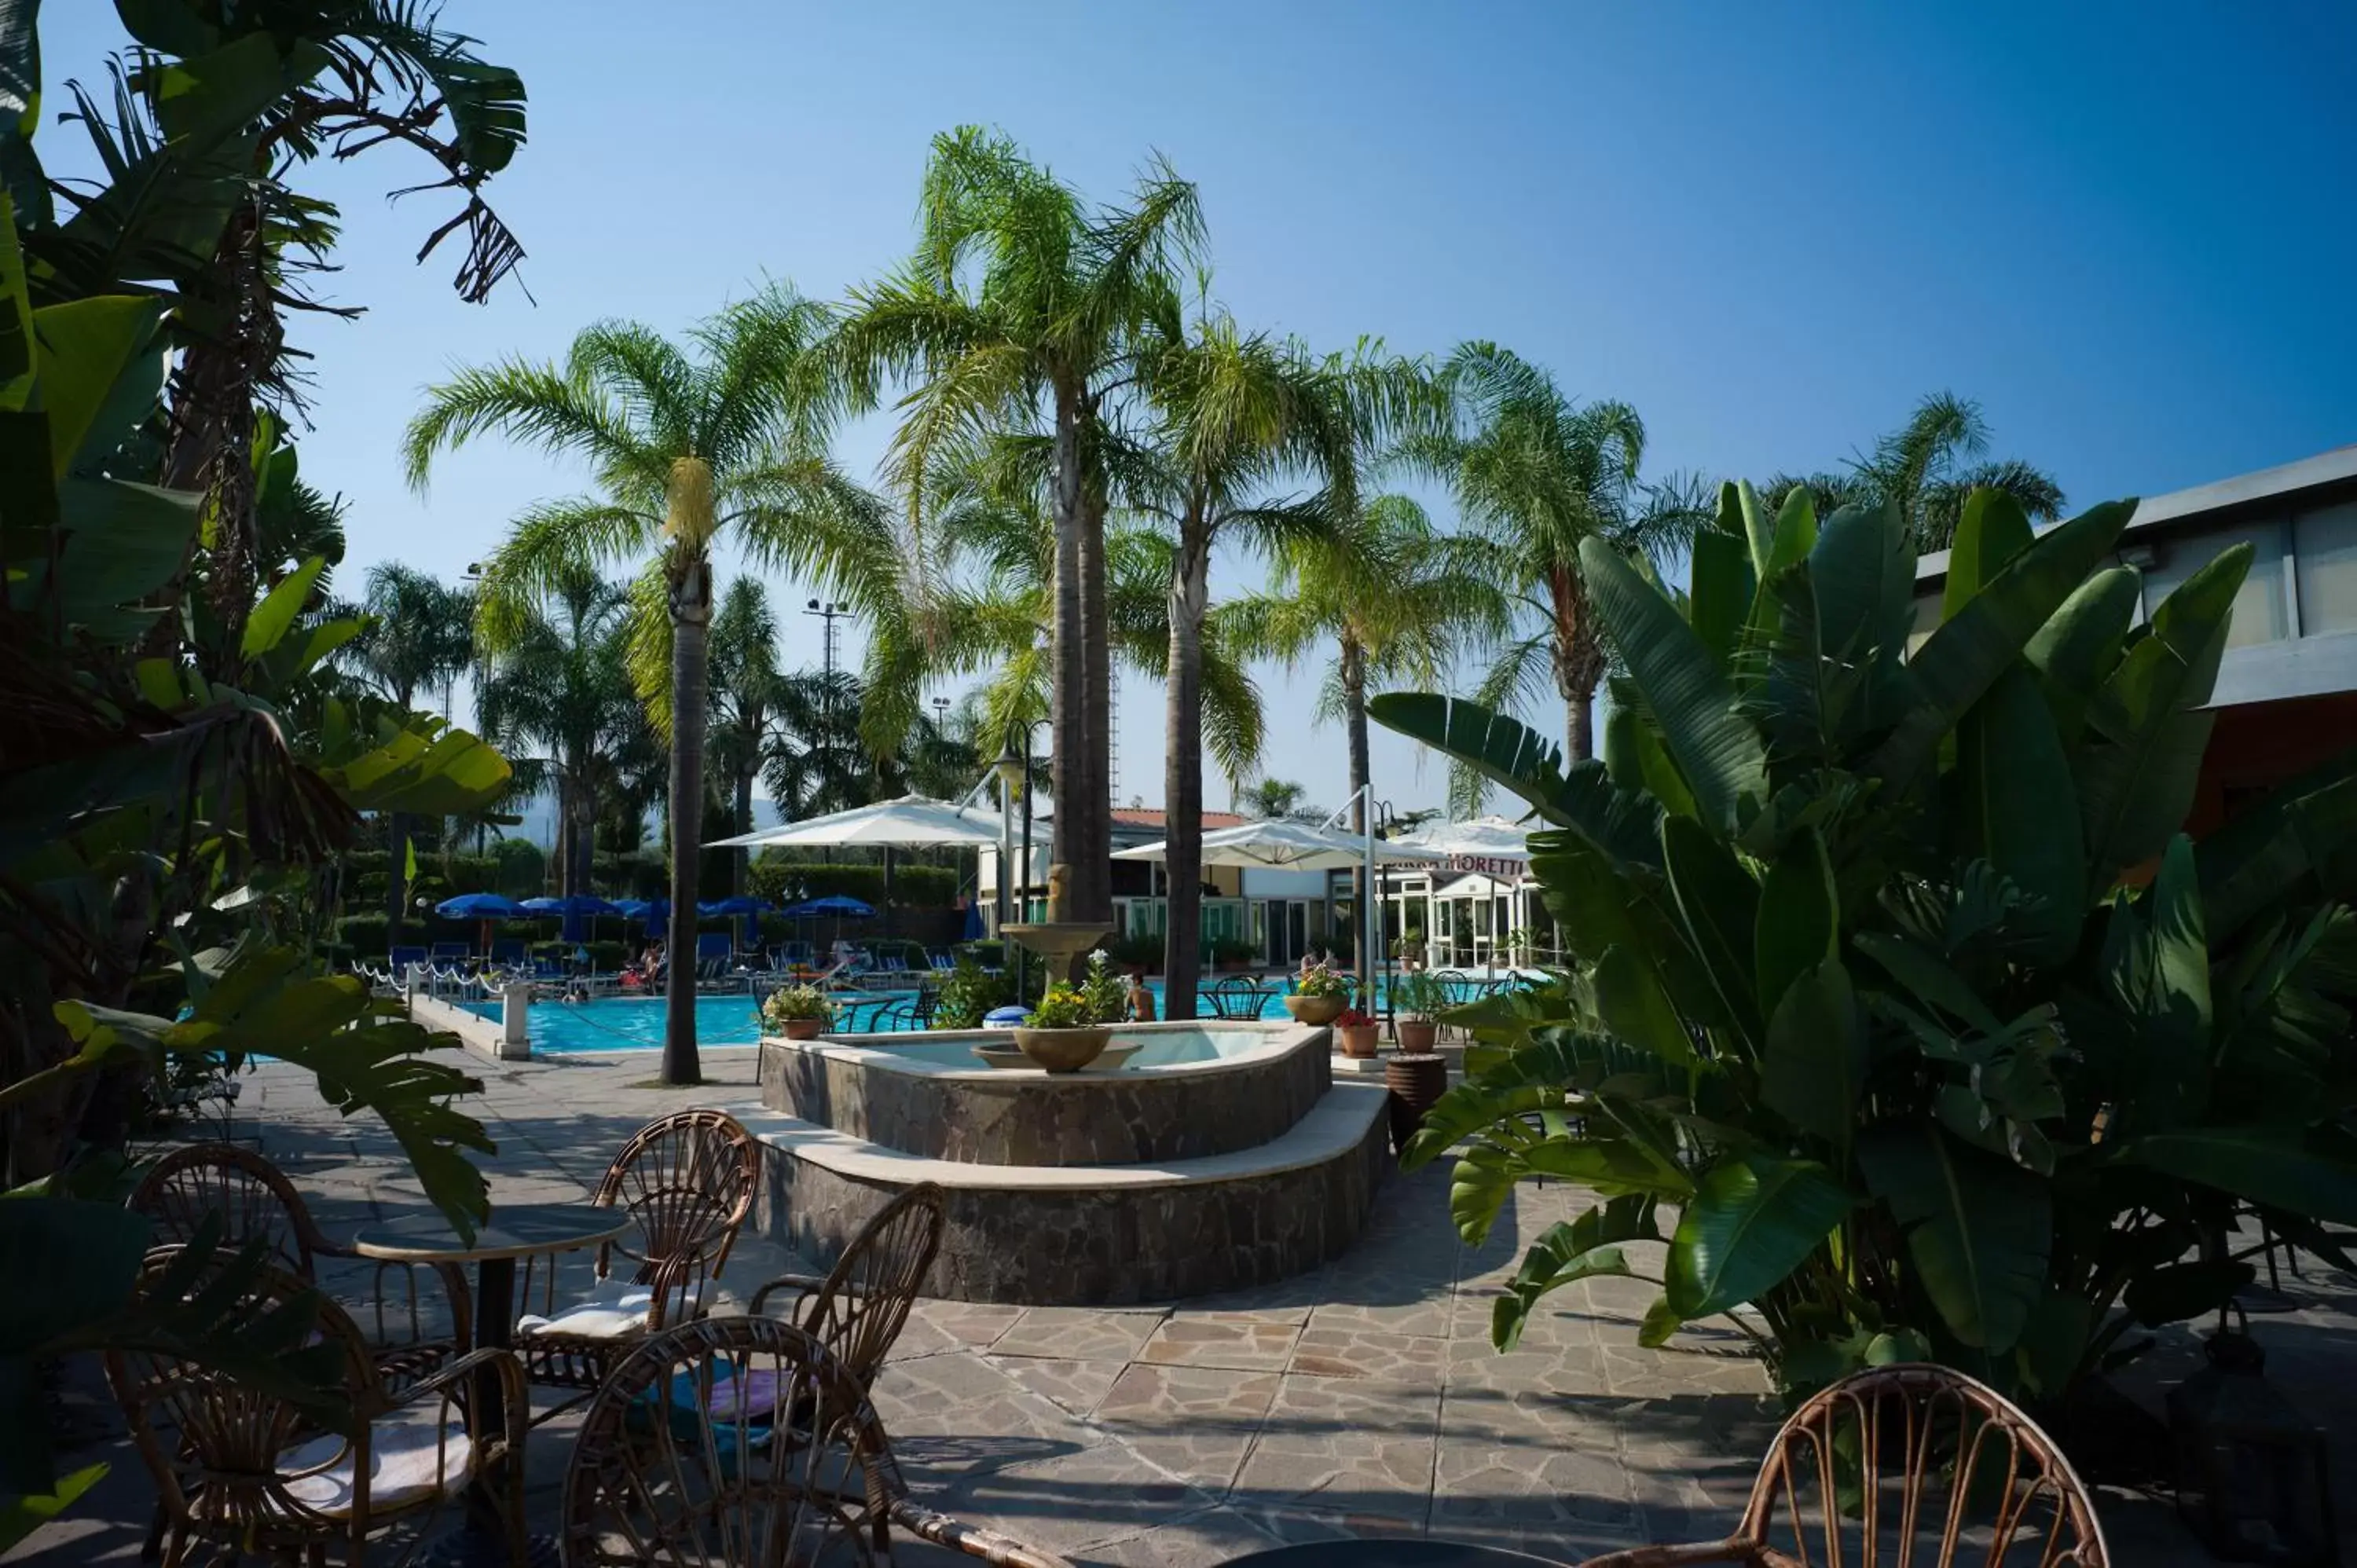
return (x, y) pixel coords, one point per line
(918, 887)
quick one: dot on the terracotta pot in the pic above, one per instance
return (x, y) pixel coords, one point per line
(804, 1028)
(1315, 1009)
(1357, 1039)
(1063, 1050)
(1416, 1036)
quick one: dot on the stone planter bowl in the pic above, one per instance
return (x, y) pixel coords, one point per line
(1062, 1050)
(1315, 1009)
(1358, 1040)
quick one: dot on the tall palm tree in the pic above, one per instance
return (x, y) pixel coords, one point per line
(1274, 798)
(1022, 309)
(554, 691)
(1233, 418)
(1928, 467)
(1536, 473)
(747, 689)
(725, 444)
(814, 760)
(418, 639)
(1393, 600)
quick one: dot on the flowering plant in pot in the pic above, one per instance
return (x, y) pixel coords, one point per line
(1355, 1032)
(1418, 997)
(797, 1011)
(1067, 1030)
(1318, 993)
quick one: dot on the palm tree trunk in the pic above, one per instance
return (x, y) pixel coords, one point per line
(1579, 666)
(740, 863)
(1096, 902)
(1354, 723)
(396, 876)
(566, 829)
(690, 620)
(1182, 776)
(1068, 768)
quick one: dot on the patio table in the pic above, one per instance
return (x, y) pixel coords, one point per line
(515, 1231)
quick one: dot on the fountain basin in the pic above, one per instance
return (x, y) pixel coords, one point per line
(1190, 1090)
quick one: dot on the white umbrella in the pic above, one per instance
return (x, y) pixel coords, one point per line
(1485, 844)
(1293, 846)
(912, 821)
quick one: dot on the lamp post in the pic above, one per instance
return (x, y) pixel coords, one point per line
(1370, 918)
(1015, 770)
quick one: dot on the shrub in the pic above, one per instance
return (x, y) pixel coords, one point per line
(1316, 978)
(1137, 951)
(1063, 1007)
(1419, 993)
(1233, 950)
(967, 995)
(1895, 972)
(914, 886)
(789, 1003)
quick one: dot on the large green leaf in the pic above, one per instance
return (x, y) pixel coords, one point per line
(2142, 760)
(274, 616)
(1803, 927)
(1717, 750)
(1813, 1069)
(2011, 778)
(2272, 851)
(1978, 1230)
(1759, 528)
(21, 182)
(1752, 1220)
(84, 348)
(1634, 1007)
(1720, 905)
(15, 302)
(1862, 575)
(1721, 593)
(1565, 1253)
(2075, 652)
(2156, 967)
(1962, 660)
(1992, 531)
(2310, 1173)
(1507, 752)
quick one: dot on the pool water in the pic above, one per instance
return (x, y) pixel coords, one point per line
(636, 1023)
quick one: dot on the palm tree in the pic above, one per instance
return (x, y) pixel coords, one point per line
(1393, 600)
(418, 639)
(1274, 798)
(1233, 417)
(814, 760)
(727, 445)
(1022, 310)
(747, 691)
(552, 684)
(1926, 467)
(1536, 473)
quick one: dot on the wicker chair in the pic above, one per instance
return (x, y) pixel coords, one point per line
(860, 1307)
(741, 1439)
(255, 1199)
(1905, 1465)
(241, 1471)
(689, 1179)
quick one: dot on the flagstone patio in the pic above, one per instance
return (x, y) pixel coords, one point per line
(1362, 1399)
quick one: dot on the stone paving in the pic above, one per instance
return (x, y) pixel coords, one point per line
(1362, 1400)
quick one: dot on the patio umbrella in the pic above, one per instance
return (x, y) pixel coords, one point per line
(576, 909)
(743, 907)
(837, 906)
(1291, 846)
(483, 907)
(912, 821)
(1492, 844)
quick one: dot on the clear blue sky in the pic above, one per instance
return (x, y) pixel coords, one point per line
(2128, 229)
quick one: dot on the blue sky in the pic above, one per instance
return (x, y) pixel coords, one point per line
(2126, 230)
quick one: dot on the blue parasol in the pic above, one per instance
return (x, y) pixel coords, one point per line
(578, 907)
(837, 904)
(483, 907)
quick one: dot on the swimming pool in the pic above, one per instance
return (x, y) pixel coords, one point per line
(636, 1023)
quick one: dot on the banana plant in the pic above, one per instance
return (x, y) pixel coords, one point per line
(1894, 971)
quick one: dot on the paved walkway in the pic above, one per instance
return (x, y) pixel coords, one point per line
(1361, 1399)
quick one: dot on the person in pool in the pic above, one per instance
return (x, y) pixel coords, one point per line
(1141, 1001)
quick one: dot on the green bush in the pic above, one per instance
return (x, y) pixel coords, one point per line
(1135, 951)
(1234, 950)
(967, 996)
(1872, 983)
(913, 886)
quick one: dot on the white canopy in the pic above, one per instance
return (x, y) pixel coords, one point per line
(910, 822)
(1295, 846)
(1481, 844)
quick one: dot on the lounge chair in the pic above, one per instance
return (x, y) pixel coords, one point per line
(402, 957)
(509, 950)
(451, 953)
(941, 960)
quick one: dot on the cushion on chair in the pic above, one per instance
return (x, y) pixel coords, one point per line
(614, 1310)
(408, 1449)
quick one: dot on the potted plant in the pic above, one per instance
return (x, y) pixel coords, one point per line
(1418, 997)
(1318, 993)
(797, 1011)
(1355, 1032)
(1063, 1033)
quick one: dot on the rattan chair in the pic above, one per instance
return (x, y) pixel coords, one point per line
(742, 1440)
(255, 1199)
(241, 1471)
(860, 1307)
(689, 1179)
(1908, 1465)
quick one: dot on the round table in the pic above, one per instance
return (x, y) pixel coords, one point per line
(1380, 1552)
(515, 1231)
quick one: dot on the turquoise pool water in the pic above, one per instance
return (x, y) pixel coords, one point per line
(636, 1023)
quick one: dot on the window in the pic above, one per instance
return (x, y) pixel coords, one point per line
(2258, 606)
(2326, 540)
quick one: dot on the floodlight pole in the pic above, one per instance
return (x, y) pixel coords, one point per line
(1370, 921)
